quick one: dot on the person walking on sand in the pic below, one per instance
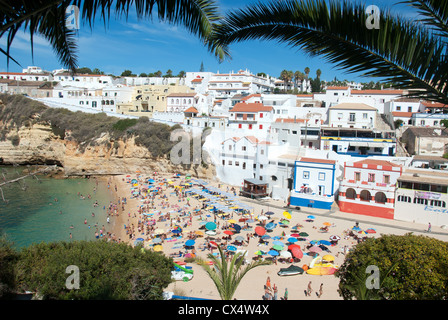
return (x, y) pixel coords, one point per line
(429, 226)
(309, 289)
(321, 289)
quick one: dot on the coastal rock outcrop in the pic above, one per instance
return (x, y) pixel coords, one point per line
(37, 144)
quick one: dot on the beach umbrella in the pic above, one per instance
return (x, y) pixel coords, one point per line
(210, 226)
(231, 221)
(327, 224)
(262, 218)
(176, 231)
(190, 243)
(362, 232)
(231, 248)
(285, 254)
(278, 243)
(266, 237)
(258, 253)
(335, 238)
(236, 227)
(269, 213)
(295, 235)
(297, 253)
(315, 249)
(273, 253)
(293, 246)
(158, 248)
(228, 232)
(156, 240)
(239, 238)
(270, 226)
(292, 240)
(210, 232)
(303, 234)
(213, 243)
(277, 247)
(260, 231)
(371, 230)
(328, 257)
(324, 242)
(356, 228)
(287, 215)
(311, 217)
(284, 222)
(199, 233)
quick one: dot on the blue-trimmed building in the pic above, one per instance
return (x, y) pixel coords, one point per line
(314, 183)
(358, 142)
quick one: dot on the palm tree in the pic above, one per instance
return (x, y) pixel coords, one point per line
(307, 72)
(409, 52)
(298, 77)
(227, 276)
(48, 19)
(286, 76)
(318, 73)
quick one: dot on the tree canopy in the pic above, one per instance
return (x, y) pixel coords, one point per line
(107, 270)
(410, 268)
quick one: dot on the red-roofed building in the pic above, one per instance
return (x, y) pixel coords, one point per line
(368, 188)
(254, 118)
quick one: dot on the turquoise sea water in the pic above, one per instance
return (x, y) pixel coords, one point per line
(34, 215)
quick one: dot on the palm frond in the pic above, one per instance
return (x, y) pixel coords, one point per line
(47, 17)
(400, 51)
(435, 13)
(227, 276)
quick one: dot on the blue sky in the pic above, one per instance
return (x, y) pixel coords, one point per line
(148, 46)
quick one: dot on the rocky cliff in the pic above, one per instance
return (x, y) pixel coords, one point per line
(37, 144)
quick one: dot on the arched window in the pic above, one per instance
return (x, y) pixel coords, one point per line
(365, 195)
(380, 197)
(350, 193)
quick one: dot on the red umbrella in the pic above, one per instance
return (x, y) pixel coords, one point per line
(295, 235)
(297, 253)
(293, 246)
(213, 243)
(370, 231)
(260, 231)
(228, 232)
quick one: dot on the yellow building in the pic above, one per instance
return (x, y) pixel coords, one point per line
(147, 99)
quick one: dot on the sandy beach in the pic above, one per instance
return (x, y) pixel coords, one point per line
(147, 220)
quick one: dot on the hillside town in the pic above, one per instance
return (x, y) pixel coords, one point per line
(368, 152)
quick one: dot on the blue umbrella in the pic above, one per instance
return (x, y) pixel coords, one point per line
(278, 243)
(325, 242)
(311, 217)
(265, 237)
(189, 243)
(269, 213)
(176, 231)
(270, 226)
(210, 226)
(273, 253)
(231, 248)
(292, 240)
(140, 239)
(356, 228)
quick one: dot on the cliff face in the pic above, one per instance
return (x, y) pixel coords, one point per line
(38, 145)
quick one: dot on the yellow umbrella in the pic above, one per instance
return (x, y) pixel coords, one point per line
(287, 215)
(328, 257)
(199, 233)
(158, 248)
(232, 221)
(234, 207)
